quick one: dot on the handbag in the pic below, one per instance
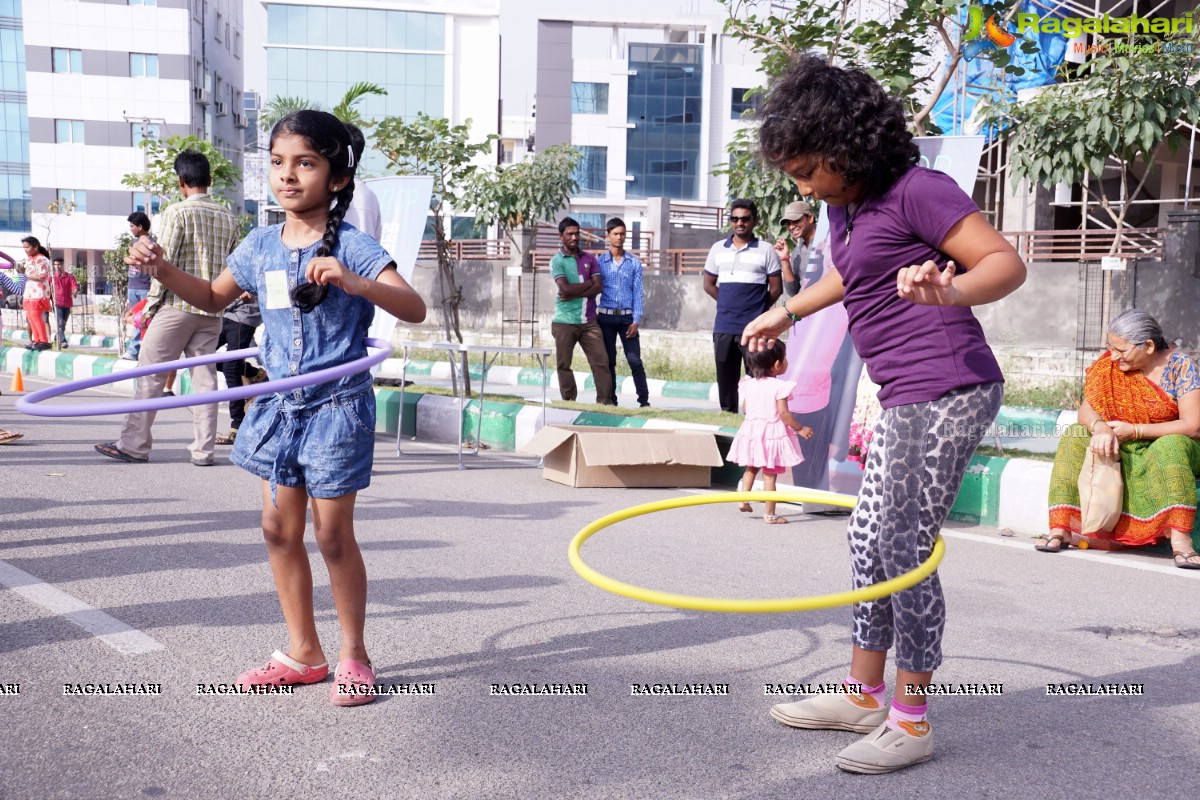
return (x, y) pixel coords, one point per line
(1100, 493)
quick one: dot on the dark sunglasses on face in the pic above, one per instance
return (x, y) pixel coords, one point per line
(740, 219)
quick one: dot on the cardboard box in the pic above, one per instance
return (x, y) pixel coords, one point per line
(584, 456)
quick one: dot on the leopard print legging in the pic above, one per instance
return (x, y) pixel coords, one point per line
(914, 468)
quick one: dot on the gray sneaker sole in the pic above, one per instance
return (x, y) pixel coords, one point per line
(849, 765)
(824, 724)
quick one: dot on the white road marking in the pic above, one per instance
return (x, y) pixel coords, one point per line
(108, 629)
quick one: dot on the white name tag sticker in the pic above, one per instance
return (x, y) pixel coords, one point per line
(277, 289)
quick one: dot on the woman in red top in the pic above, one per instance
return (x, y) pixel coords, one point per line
(37, 292)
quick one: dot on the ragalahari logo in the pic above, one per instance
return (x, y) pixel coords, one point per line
(981, 37)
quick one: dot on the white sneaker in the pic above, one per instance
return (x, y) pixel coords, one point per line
(831, 712)
(887, 750)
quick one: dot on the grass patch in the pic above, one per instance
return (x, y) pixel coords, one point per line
(445, 391)
(1012, 453)
(1063, 394)
(720, 418)
(660, 364)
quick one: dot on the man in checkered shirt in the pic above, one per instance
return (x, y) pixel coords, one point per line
(196, 234)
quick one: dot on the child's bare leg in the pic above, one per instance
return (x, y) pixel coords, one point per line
(747, 485)
(771, 518)
(333, 520)
(283, 531)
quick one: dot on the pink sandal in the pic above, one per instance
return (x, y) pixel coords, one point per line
(353, 683)
(282, 670)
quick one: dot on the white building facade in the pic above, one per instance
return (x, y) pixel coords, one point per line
(652, 103)
(100, 76)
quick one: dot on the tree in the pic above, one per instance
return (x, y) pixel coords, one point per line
(429, 146)
(60, 207)
(525, 193)
(160, 180)
(117, 275)
(1117, 108)
(279, 107)
(913, 49)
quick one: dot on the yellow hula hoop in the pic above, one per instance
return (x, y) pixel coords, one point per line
(735, 606)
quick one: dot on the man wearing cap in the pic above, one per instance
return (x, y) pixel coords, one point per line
(743, 275)
(800, 222)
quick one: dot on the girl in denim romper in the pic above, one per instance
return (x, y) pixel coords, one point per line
(317, 281)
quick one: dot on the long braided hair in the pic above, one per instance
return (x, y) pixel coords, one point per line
(326, 134)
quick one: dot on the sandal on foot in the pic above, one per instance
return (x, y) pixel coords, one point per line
(229, 438)
(1052, 543)
(1184, 560)
(111, 450)
(774, 519)
(745, 508)
(353, 683)
(282, 670)
(7, 437)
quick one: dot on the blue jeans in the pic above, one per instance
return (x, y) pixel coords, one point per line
(325, 447)
(133, 296)
(612, 327)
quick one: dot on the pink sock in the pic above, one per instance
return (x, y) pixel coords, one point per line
(867, 696)
(909, 719)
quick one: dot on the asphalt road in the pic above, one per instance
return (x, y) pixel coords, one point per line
(156, 574)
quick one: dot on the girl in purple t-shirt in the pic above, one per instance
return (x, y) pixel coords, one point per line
(911, 254)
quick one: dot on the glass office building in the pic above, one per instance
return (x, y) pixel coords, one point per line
(318, 52)
(14, 123)
(666, 100)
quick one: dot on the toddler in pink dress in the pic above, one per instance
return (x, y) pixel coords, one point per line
(767, 438)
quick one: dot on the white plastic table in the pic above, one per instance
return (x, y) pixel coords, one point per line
(459, 357)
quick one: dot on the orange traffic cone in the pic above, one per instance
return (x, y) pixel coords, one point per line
(18, 385)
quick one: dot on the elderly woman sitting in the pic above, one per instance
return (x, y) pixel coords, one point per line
(1142, 402)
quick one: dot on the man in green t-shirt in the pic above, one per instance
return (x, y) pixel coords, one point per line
(577, 275)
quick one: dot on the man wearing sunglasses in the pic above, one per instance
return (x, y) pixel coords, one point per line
(743, 275)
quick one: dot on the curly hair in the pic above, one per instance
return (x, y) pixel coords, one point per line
(842, 116)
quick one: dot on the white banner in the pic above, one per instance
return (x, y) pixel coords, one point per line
(404, 207)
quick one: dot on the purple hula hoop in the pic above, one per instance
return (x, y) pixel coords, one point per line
(29, 403)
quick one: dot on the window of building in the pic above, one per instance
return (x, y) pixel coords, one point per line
(144, 130)
(589, 98)
(220, 27)
(68, 131)
(738, 104)
(143, 65)
(76, 196)
(143, 2)
(591, 172)
(139, 203)
(666, 101)
(64, 60)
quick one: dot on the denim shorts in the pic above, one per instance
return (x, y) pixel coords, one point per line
(326, 448)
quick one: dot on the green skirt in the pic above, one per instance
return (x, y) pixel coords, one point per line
(1159, 491)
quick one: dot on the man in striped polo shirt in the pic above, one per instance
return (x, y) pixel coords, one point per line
(577, 276)
(743, 275)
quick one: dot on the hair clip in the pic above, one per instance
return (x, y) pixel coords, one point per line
(350, 155)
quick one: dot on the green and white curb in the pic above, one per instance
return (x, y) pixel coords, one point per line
(74, 340)
(1000, 492)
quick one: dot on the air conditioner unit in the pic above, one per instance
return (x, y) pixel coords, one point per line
(222, 108)
(200, 94)
(239, 120)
